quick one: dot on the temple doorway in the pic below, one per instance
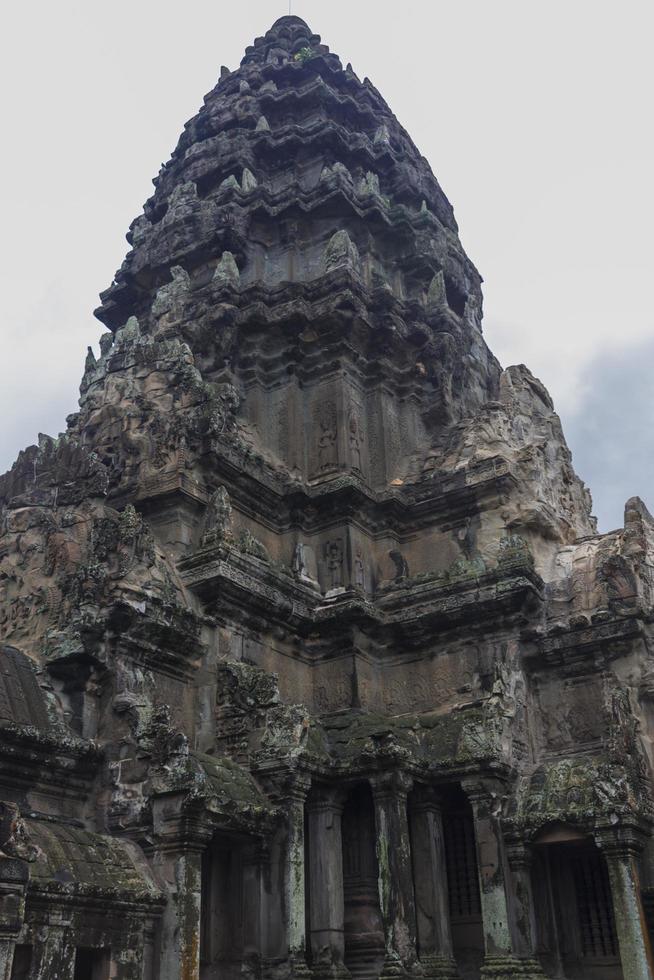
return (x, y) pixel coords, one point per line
(229, 933)
(463, 882)
(574, 911)
(364, 932)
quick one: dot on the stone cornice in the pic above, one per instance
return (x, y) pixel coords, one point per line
(222, 577)
(55, 761)
(609, 638)
(281, 504)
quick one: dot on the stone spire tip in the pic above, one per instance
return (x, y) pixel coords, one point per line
(289, 20)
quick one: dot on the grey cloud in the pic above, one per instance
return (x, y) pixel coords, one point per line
(611, 433)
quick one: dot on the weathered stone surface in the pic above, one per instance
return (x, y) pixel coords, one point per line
(312, 657)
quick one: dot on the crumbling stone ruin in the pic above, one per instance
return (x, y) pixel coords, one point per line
(313, 662)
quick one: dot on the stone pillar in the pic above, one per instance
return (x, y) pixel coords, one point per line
(14, 876)
(396, 897)
(500, 960)
(430, 881)
(149, 948)
(524, 933)
(178, 860)
(621, 849)
(180, 953)
(54, 950)
(327, 909)
(6, 957)
(294, 876)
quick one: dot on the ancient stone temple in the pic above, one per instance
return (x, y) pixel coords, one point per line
(313, 662)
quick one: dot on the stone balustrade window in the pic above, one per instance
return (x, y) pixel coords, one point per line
(462, 877)
(593, 892)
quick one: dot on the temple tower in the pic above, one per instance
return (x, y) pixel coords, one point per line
(314, 661)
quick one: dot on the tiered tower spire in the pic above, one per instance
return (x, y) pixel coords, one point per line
(320, 649)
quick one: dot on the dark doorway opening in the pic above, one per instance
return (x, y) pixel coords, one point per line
(22, 962)
(463, 881)
(229, 924)
(92, 964)
(364, 931)
(574, 910)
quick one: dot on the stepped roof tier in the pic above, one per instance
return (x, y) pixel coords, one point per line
(312, 648)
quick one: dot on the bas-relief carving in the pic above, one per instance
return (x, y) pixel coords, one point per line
(229, 644)
(400, 565)
(355, 435)
(571, 712)
(586, 591)
(423, 686)
(283, 431)
(333, 565)
(273, 426)
(217, 523)
(299, 457)
(333, 686)
(375, 434)
(596, 786)
(620, 582)
(295, 683)
(324, 434)
(368, 683)
(407, 439)
(414, 686)
(304, 564)
(392, 438)
(359, 575)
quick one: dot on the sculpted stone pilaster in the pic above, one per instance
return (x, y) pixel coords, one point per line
(14, 877)
(621, 847)
(434, 933)
(54, 950)
(181, 839)
(287, 873)
(396, 894)
(520, 859)
(501, 959)
(325, 810)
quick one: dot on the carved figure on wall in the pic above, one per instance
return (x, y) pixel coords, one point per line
(401, 565)
(620, 583)
(334, 563)
(217, 518)
(327, 445)
(514, 549)
(355, 436)
(299, 564)
(466, 537)
(359, 568)
(322, 698)
(250, 545)
(304, 564)
(340, 251)
(171, 298)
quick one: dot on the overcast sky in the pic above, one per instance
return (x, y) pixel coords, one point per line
(535, 116)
